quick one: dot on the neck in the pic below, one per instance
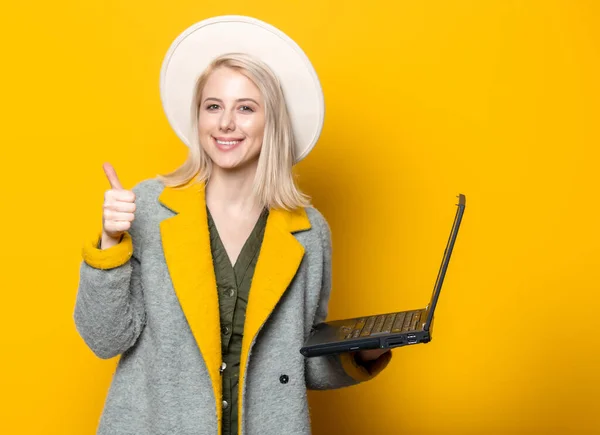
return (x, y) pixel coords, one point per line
(231, 191)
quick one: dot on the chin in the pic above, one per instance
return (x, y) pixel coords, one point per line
(230, 163)
(226, 167)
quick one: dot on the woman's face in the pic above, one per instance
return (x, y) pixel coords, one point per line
(231, 119)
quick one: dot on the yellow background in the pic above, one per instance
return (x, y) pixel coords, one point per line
(425, 99)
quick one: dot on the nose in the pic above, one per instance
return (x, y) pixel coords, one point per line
(227, 121)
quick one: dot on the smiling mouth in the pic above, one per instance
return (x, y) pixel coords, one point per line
(227, 142)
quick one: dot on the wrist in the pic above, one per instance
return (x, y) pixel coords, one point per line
(107, 241)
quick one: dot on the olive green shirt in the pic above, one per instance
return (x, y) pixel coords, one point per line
(233, 287)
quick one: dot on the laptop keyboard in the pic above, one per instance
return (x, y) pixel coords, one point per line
(383, 324)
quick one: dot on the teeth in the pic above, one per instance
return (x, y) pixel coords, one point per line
(232, 142)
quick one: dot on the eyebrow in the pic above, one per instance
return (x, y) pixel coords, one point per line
(239, 100)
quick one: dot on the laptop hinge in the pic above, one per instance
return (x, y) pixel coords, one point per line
(425, 326)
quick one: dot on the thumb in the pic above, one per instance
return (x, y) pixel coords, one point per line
(111, 174)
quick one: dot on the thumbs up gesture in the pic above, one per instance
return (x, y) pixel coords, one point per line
(118, 210)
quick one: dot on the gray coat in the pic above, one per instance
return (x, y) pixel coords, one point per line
(152, 299)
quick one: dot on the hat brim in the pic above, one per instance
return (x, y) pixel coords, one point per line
(195, 48)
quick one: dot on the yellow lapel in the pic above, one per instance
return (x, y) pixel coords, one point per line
(186, 245)
(279, 259)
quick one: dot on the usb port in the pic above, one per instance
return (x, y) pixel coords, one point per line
(412, 339)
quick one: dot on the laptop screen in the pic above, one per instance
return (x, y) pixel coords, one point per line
(445, 260)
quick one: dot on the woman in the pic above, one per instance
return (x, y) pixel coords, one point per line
(208, 280)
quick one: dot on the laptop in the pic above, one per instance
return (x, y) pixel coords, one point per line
(387, 330)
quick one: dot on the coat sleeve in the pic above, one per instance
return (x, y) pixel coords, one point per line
(336, 371)
(109, 309)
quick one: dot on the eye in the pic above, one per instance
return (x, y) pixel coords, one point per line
(212, 107)
(246, 109)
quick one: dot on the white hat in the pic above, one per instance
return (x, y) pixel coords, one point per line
(195, 48)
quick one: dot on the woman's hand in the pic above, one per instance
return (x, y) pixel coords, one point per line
(371, 354)
(119, 208)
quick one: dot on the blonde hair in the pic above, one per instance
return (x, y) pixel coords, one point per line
(274, 183)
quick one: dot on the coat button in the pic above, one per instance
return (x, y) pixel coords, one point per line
(284, 379)
(225, 404)
(223, 367)
(225, 330)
